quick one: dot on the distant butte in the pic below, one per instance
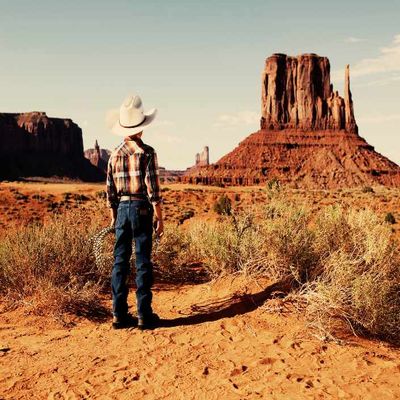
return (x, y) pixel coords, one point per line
(98, 157)
(35, 145)
(308, 136)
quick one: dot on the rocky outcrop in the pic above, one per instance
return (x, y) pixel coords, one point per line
(297, 94)
(32, 144)
(98, 157)
(308, 136)
(203, 158)
(314, 159)
(170, 176)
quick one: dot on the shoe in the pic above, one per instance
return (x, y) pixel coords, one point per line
(127, 321)
(151, 322)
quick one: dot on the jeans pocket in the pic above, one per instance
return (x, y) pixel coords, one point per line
(144, 215)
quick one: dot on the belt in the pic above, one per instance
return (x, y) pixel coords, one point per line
(131, 197)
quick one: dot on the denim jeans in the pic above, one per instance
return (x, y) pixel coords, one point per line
(134, 222)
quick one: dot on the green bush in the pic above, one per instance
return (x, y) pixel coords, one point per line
(223, 206)
(367, 189)
(390, 219)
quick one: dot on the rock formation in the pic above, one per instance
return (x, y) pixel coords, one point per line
(297, 94)
(203, 158)
(170, 176)
(32, 144)
(98, 157)
(308, 136)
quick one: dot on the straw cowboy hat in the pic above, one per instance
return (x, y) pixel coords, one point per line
(132, 119)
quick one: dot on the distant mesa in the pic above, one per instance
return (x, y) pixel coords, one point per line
(33, 144)
(169, 175)
(308, 137)
(98, 157)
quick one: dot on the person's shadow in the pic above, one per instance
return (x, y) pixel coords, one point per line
(226, 308)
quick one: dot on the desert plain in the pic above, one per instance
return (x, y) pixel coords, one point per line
(228, 337)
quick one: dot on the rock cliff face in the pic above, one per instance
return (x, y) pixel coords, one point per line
(297, 94)
(98, 157)
(203, 158)
(308, 136)
(32, 144)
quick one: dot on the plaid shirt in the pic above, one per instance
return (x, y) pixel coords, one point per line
(132, 169)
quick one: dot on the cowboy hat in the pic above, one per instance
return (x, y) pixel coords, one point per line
(132, 119)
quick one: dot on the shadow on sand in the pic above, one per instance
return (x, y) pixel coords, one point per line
(227, 307)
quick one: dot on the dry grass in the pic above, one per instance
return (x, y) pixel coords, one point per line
(50, 268)
(343, 262)
(226, 245)
(173, 258)
(359, 280)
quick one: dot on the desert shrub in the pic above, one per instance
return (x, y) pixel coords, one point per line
(359, 273)
(287, 249)
(79, 197)
(20, 196)
(172, 257)
(185, 215)
(223, 206)
(51, 266)
(367, 189)
(52, 205)
(273, 184)
(227, 245)
(390, 219)
(101, 194)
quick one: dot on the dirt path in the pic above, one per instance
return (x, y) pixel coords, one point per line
(214, 346)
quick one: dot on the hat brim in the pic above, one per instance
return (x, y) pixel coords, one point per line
(119, 130)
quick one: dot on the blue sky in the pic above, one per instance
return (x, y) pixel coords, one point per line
(199, 63)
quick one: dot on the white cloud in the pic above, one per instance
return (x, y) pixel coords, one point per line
(237, 119)
(352, 39)
(379, 118)
(387, 61)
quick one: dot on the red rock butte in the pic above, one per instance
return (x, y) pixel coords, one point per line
(33, 144)
(308, 137)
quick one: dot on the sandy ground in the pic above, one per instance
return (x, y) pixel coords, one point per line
(217, 343)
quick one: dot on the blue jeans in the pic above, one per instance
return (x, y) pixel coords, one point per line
(134, 222)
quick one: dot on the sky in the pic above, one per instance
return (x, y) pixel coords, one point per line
(198, 62)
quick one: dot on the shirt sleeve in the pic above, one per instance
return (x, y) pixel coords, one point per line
(111, 190)
(152, 179)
